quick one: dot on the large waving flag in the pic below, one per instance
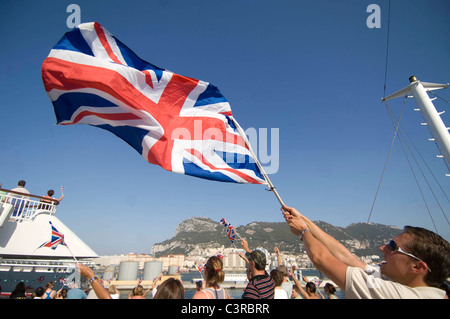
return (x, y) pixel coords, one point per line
(180, 123)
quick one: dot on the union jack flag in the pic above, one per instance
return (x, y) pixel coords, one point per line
(231, 233)
(56, 239)
(317, 282)
(200, 268)
(179, 123)
(63, 281)
(224, 222)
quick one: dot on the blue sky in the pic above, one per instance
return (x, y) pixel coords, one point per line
(311, 69)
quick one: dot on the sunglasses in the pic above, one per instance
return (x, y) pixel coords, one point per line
(392, 245)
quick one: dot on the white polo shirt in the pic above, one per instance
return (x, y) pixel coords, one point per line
(360, 285)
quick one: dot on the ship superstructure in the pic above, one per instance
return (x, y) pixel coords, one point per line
(25, 225)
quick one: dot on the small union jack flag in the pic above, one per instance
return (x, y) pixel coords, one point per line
(200, 268)
(231, 233)
(224, 222)
(317, 282)
(56, 239)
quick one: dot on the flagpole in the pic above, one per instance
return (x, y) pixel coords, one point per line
(235, 231)
(73, 256)
(269, 183)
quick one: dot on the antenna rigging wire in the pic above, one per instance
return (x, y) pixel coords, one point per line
(439, 96)
(423, 160)
(387, 48)
(401, 136)
(384, 170)
(414, 175)
(392, 144)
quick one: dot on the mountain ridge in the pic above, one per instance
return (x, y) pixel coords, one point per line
(202, 232)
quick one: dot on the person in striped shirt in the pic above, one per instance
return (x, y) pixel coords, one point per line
(260, 284)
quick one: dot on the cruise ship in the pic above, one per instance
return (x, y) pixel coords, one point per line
(25, 225)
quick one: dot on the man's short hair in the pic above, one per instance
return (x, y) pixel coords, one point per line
(284, 270)
(39, 291)
(433, 250)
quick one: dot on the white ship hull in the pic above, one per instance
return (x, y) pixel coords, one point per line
(23, 230)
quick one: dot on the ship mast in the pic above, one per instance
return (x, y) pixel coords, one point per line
(433, 119)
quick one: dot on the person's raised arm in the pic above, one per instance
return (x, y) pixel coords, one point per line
(277, 252)
(243, 257)
(320, 256)
(99, 290)
(335, 247)
(296, 282)
(244, 244)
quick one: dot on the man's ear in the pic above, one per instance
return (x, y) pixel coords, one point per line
(420, 266)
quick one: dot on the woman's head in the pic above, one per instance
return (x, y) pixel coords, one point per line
(214, 274)
(277, 277)
(138, 290)
(49, 285)
(170, 289)
(330, 288)
(311, 287)
(112, 289)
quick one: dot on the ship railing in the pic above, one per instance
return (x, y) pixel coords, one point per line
(18, 206)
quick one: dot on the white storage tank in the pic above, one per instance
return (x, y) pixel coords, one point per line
(109, 273)
(173, 270)
(152, 269)
(128, 270)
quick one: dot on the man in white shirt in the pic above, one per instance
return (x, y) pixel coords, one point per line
(417, 262)
(21, 201)
(20, 188)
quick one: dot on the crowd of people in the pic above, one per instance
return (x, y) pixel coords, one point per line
(262, 285)
(416, 265)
